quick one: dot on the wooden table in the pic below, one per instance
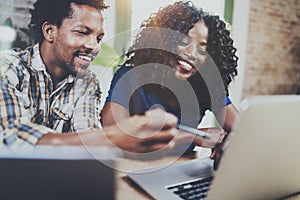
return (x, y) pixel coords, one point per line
(126, 189)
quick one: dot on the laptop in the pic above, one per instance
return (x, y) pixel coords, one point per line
(261, 160)
(58, 173)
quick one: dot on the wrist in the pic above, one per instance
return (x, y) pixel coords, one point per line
(50, 139)
(109, 133)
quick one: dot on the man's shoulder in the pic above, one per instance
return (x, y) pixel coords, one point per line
(12, 62)
(14, 57)
(7, 55)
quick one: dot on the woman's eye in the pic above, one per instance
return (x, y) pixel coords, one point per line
(202, 52)
(184, 41)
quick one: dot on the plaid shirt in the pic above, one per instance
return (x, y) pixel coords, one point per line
(30, 107)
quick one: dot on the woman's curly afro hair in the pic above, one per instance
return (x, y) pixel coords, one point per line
(181, 17)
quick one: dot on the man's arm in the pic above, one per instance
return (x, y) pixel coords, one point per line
(136, 134)
(140, 133)
(112, 113)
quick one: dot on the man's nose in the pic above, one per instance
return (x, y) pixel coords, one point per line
(93, 44)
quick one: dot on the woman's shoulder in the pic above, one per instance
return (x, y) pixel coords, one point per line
(122, 69)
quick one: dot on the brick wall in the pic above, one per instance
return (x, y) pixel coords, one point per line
(273, 48)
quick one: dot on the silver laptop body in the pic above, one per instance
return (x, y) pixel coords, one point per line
(261, 161)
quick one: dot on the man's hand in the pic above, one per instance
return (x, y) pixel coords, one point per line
(144, 133)
(138, 134)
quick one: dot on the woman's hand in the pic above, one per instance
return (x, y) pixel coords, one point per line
(218, 150)
(184, 138)
(217, 137)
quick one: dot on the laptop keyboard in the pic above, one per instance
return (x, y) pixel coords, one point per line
(192, 190)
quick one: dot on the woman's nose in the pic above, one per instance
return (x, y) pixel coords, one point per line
(191, 51)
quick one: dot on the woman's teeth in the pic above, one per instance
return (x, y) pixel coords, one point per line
(186, 65)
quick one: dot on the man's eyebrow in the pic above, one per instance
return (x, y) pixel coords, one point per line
(88, 29)
(82, 26)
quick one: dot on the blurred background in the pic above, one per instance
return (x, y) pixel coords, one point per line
(265, 32)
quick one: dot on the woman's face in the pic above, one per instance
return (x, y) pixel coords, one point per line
(191, 51)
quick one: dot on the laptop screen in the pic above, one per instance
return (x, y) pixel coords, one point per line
(56, 173)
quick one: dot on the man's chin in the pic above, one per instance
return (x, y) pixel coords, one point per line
(80, 73)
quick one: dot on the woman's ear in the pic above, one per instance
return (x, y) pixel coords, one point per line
(49, 31)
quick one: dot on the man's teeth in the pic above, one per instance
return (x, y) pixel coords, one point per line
(86, 58)
(185, 64)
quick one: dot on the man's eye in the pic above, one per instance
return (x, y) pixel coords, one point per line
(82, 32)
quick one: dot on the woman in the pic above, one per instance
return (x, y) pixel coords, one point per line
(182, 60)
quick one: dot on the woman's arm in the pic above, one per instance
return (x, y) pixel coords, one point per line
(231, 113)
(112, 113)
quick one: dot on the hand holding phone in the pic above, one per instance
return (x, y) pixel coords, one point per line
(218, 150)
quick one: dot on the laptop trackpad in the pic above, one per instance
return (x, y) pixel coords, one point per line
(196, 168)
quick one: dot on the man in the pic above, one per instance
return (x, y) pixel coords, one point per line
(48, 89)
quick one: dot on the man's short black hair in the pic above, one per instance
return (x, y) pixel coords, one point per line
(54, 12)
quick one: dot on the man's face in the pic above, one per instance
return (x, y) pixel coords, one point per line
(77, 41)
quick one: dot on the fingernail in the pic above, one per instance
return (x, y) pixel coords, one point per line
(171, 144)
